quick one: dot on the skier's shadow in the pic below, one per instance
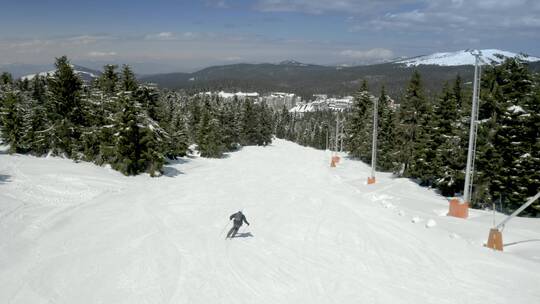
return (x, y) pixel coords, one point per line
(4, 178)
(244, 235)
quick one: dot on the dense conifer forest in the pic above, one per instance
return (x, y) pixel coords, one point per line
(117, 121)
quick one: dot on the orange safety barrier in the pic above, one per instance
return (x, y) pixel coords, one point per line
(495, 239)
(458, 209)
(371, 180)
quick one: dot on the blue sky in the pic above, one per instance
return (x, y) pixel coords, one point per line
(167, 35)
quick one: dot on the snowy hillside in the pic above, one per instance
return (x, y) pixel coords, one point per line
(463, 57)
(78, 233)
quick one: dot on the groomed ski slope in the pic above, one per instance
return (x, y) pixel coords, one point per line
(79, 233)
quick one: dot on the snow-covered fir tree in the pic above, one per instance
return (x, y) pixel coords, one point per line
(386, 150)
(359, 124)
(65, 109)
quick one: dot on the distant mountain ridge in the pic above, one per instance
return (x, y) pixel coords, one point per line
(308, 79)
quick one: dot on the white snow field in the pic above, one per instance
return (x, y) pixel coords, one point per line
(463, 57)
(79, 233)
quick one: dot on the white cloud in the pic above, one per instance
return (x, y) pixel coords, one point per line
(372, 54)
(86, 39)
(161, 36)
(101, 54)
(323, 6)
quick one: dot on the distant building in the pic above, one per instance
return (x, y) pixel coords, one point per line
(322, 102)
(230, 96)
(277, 100)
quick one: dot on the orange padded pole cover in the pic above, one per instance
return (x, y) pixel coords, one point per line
(458, 209)
(495, 239)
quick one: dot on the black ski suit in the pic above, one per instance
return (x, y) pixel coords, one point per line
(239, 219)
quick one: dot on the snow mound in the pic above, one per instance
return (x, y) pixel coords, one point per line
(431, 223)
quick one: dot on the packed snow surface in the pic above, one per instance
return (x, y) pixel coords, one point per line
(463, 57)
(79, 233)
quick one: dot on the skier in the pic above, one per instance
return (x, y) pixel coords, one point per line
(239, 219)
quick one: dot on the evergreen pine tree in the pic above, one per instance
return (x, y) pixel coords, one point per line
(505, 167)
(449, 162)
(6, 79)
(265, 125)
(12, 121)
(386, 133)
(250, 131)
(358, 125)
(65, 108)
(282, 123)
(108, 81)
(128, 81)
(136, 144)
(412, 127)
(179, 138)
(39, 124)
(209, 137)
(229, 127)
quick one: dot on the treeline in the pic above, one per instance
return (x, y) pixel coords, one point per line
(115, 120)
(427, 138)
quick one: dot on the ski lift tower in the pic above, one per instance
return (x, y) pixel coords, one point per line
(335, 157)
(461, 208)
(371, 179)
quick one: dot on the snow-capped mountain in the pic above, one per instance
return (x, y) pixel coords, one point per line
(84, 73)
(463, 57)
(293, 63)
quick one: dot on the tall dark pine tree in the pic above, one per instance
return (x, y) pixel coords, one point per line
(509, 134)
(358, 125)
(65, 109)
(179, 138)
(229, 127)
(265, 125)
(449, 162)
(386, 133)
(6, 78)
(531, 161)
(128, 82)
(412, 131)
(194, 116)
(148, 98)
(283, 119)
(249, 134)
(136, 144)
(209, 136)
(108, 81)
(39, 124)
(12, 115)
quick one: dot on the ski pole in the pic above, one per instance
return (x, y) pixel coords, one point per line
(224, 227)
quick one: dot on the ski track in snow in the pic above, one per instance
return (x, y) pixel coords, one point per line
(78, 233)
